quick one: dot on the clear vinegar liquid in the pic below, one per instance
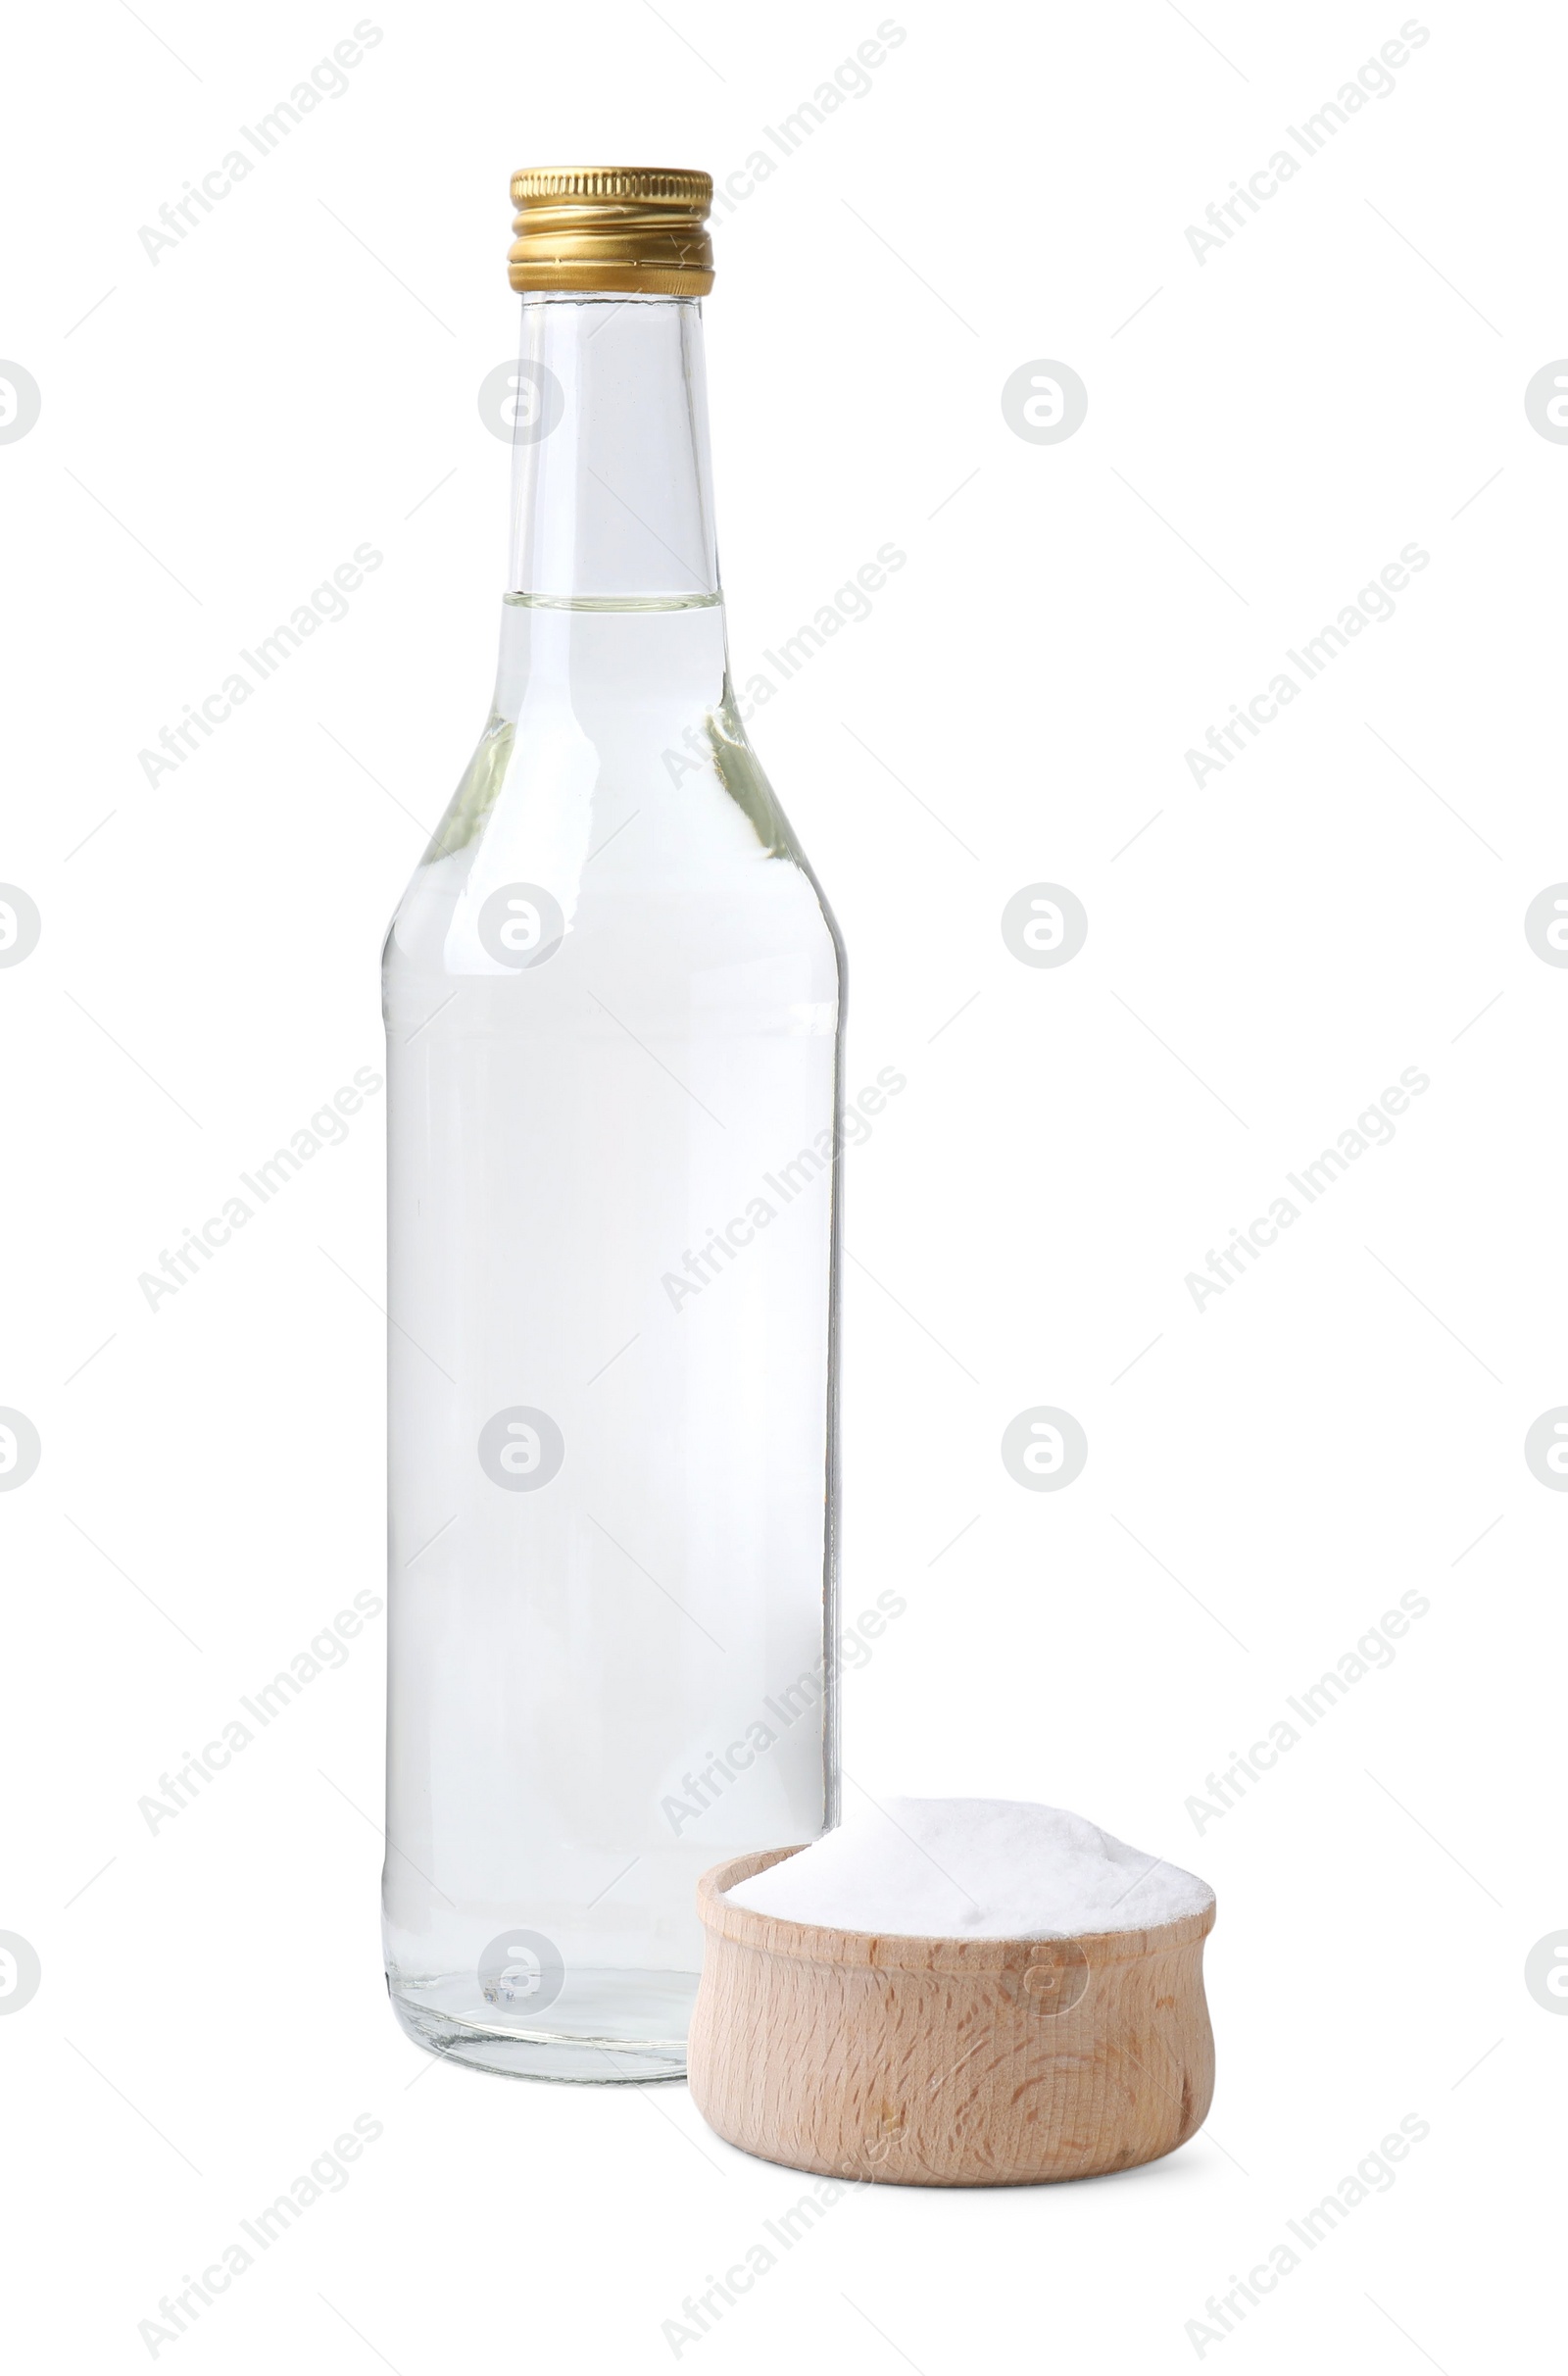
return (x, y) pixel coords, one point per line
(611, 1204)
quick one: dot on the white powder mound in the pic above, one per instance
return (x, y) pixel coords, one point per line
(974, 1868)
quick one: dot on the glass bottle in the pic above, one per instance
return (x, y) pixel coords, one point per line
(614, 1009)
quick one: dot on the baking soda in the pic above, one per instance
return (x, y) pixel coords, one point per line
(974, 1868)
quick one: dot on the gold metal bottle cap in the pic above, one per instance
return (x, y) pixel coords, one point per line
(612, 227)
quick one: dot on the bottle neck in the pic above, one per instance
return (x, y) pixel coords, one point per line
(613, 503)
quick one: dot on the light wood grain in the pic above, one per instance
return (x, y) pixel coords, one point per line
(947, 2061)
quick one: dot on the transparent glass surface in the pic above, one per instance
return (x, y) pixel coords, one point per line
(612, 998)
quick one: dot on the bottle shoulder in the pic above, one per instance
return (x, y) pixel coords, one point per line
(673, 841)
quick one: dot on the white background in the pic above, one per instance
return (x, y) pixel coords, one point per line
(1266, 429)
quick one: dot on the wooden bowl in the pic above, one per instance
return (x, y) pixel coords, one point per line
(947, 2061)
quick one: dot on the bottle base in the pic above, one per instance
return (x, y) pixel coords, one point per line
(616, 2027)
